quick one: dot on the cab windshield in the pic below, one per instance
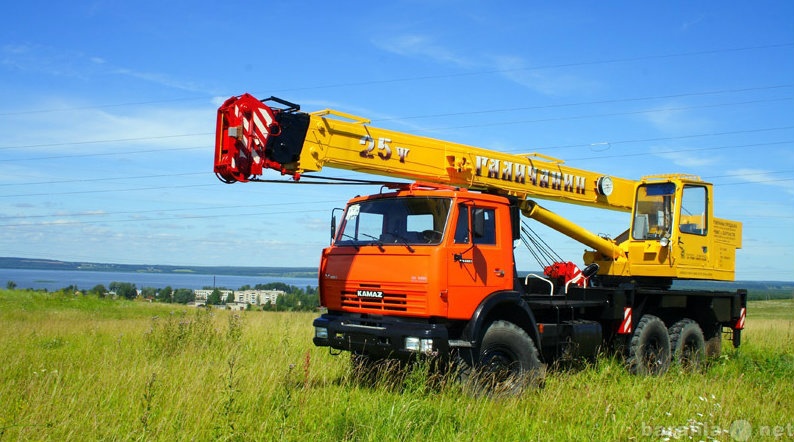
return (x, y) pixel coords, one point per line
(394, 221)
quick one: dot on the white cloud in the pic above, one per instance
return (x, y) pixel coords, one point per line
(513, 68)
(97, 130)
(160, 79)
(217, 101)
(545, 81)
(673, 118)
(26, 57)
(691, 24)
(765, 178)
(59, 62)
(314, 224)
(685, 157)
(414, 45)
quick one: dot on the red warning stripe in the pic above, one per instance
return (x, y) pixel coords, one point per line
(625, 326)
(740, 322)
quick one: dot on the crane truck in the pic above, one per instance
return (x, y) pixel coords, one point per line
(427, 267)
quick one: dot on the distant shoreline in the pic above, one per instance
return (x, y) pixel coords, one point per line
(52, 264)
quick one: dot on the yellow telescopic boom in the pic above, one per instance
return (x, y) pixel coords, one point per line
(252, 137)
(674, 233)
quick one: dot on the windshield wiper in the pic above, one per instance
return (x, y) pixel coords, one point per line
(404, 241)
(377, 241)
(353, 240)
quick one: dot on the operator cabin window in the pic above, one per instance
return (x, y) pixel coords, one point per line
(694, 211)
(653, 214)
(483, 228)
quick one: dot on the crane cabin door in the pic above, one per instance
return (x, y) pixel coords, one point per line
(692, 242)
(476, 261)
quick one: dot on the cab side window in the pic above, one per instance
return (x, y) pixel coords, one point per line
(694, 213)
(476, 222)
(484, 226)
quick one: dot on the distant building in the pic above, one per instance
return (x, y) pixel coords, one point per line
(257, 297)
(202, 295)
(242, 297)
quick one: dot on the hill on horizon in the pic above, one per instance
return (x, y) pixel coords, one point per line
(53, 264)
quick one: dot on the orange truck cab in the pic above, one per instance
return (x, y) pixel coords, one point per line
(422, 257)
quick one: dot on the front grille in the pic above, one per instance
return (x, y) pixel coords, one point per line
(389, 302)
(392, 301)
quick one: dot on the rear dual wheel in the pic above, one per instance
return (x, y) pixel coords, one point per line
(688, 345)
(653, 346)
(649, 348)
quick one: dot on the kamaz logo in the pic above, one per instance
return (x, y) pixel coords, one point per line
(369, 294)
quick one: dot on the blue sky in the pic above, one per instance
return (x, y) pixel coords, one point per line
(107, 113)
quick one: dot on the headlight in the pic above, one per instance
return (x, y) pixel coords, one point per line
(419, 345)
(321, 332)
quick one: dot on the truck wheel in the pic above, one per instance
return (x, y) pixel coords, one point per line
(714, 346)
(649, 349)
(507, 363)
(687, 344)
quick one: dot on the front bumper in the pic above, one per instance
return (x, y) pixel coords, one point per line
(380, 336)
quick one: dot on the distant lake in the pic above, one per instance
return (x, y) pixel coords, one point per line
(53, 280)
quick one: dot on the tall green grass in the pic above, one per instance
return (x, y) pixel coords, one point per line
(81, 368)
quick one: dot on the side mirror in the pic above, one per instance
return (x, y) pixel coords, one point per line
(333, 223)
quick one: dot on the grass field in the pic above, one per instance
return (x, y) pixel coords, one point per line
(82, 368)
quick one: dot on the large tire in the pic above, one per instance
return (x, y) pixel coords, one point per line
(687, 344)
(713, 338)
(507, 362)
(649, 348)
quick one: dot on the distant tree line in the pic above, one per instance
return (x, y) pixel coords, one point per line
(293, 299)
